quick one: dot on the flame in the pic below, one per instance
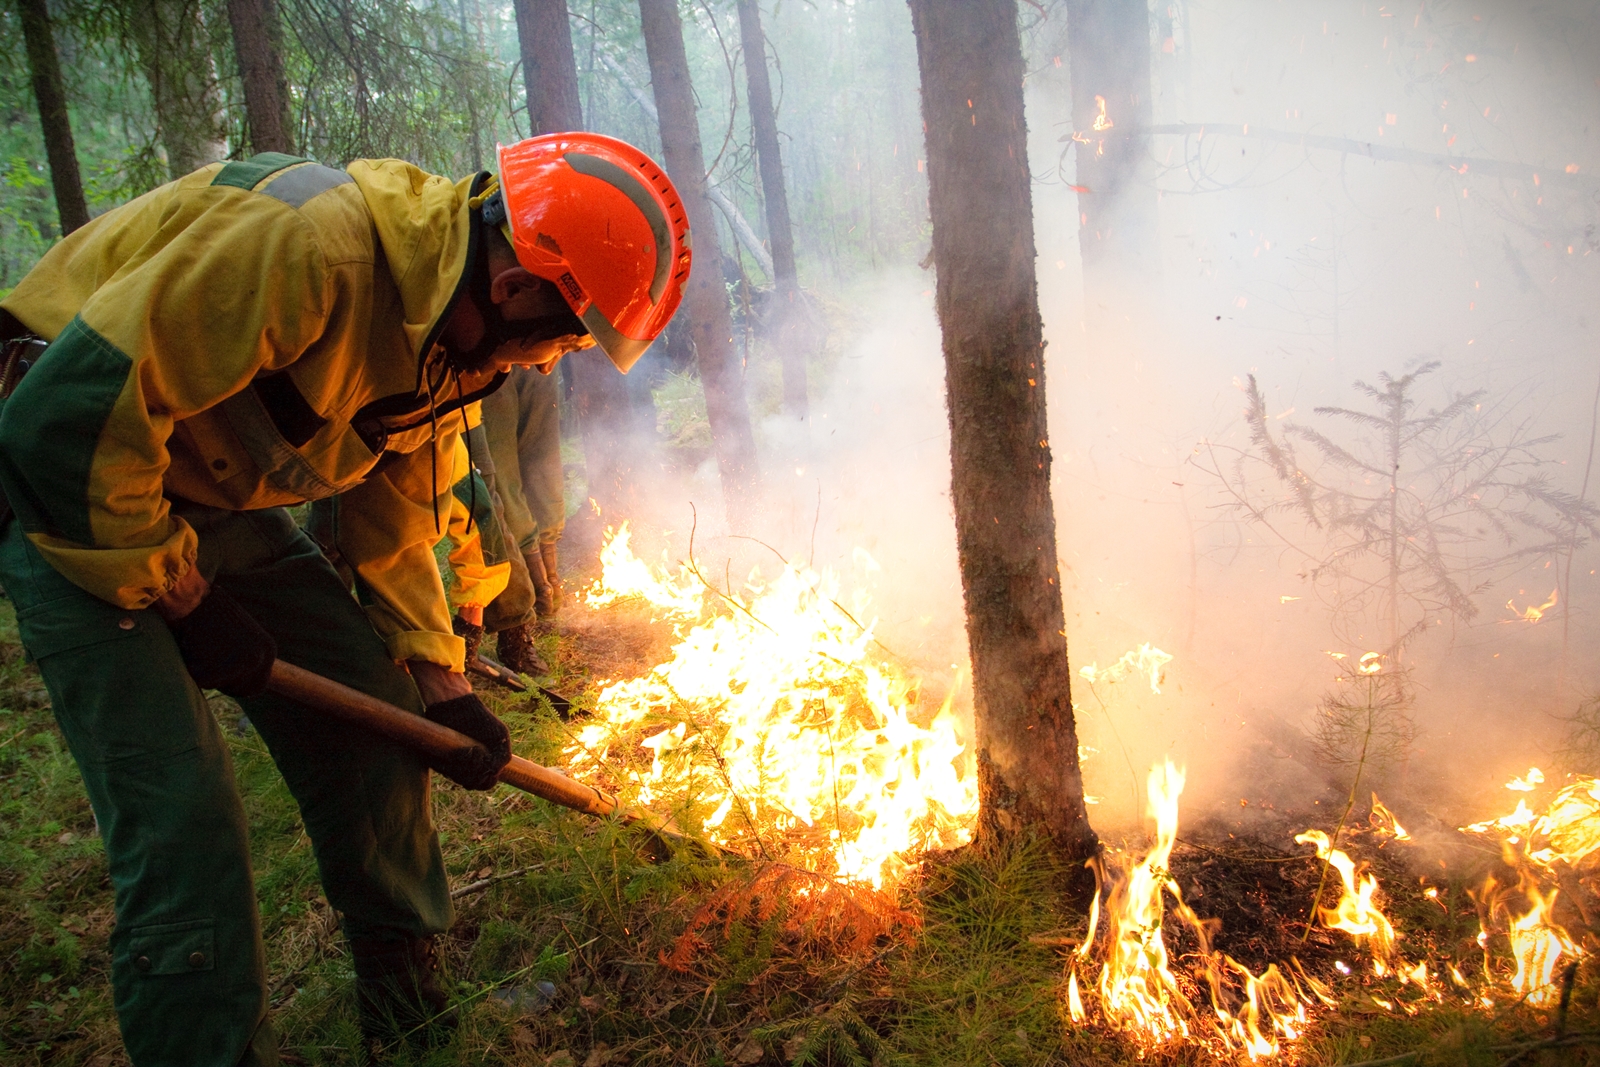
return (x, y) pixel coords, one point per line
(1534, 779)
(1145, 660)
(1537, 943)
(1384, 822)
(1101, 121)
(1137, 987)
(774, 726)
(1138, 991)
(1357, 912)
(1566, 832)
(1531, 613)
(627, 577)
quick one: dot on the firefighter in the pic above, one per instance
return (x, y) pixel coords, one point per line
(258, 334)
(522, 425)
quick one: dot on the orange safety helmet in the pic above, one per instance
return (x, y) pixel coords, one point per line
(602, 221)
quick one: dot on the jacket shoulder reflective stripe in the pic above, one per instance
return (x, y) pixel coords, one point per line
(298, 185)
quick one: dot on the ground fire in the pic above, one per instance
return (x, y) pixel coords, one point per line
(777, 725)
(780, 728)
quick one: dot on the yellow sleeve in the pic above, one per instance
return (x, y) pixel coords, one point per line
(388, 527)
(156, 311)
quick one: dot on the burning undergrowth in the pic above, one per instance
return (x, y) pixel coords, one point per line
(770, 721)
(777, 725)
(1234, 944)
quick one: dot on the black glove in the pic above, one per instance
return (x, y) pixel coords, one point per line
(475, 766)
(469, 632)
(224, 648)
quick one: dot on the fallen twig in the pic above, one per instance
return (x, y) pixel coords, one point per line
(485, 883)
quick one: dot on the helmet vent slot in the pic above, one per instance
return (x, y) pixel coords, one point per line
(634, 190)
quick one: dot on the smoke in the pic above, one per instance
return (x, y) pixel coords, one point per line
(1309, 268)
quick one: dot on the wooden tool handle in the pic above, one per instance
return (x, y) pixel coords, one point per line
(431, 738)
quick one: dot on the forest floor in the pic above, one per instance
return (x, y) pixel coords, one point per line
(967, 965)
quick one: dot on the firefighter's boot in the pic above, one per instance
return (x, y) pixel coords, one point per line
(517, 651)
(397, 991)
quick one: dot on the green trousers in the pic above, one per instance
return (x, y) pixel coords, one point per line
(187, 968)
(523, 423)
(514, 605)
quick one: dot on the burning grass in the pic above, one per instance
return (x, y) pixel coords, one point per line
(776, 725)
(963, 959)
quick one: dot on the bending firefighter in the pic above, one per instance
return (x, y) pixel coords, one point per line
(256, 335)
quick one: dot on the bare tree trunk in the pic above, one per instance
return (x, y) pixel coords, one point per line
(549, 70)
(1108, 50)
(970, 59)
(171, 41)
(51, 95)
(258, 50)
(607, 417)
(705, 299)
(790, 316)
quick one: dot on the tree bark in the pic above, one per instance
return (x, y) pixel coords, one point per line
(608, 419)
(51, 95)
(258, 51)
(1108, 52)
(970, 58)
(549, 70)
(171, 41)
(790, 313)
(705, 298)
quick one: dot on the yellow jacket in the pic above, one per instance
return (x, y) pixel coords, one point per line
(259, 333)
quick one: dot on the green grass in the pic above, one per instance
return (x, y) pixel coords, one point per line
(975, 979)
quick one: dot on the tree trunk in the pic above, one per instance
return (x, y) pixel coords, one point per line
(549, 70)
(1108, 52)
(607, 416)
(705, 298)
(258, 51)
(970, 59)
(171, 41)
(789, 317)
(51, 95)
